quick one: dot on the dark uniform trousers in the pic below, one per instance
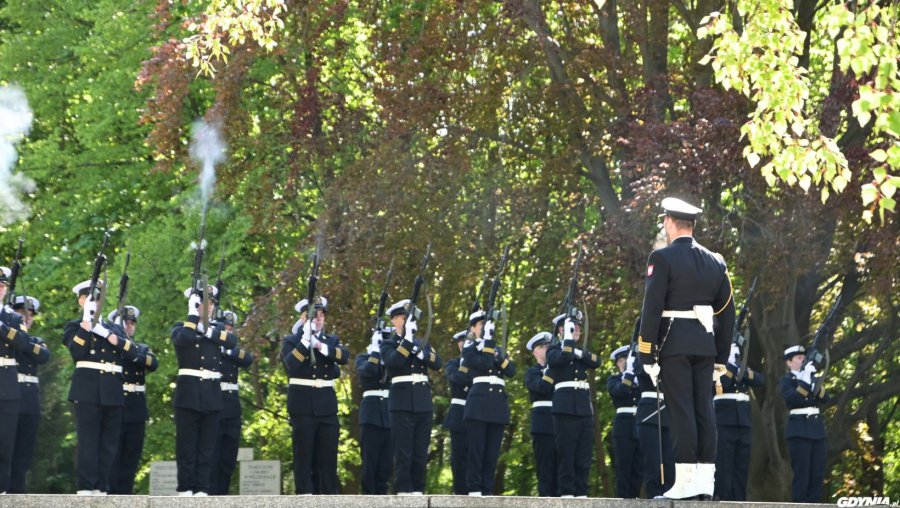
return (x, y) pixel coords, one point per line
(626, 448)
(805, 436)
(9, 421)
(411, 409)
(376, 444)
(681, 277)
(197, 401)
(134, 418)
(543, 437)
(573, 417)
(734, 435)
(313, 410)
(648, 434)
(29, 413)
(460, 382)
(13, 339)
(97, 399)
(224, 460)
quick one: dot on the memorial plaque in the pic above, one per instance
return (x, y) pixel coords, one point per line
(245, 454)
(261, 478)
(163, 478)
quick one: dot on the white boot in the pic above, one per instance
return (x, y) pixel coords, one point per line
(98, 493)
(474, 494)
(200, 494)
(706, 479)
(685, 482)
(83, 493)
(186, 493)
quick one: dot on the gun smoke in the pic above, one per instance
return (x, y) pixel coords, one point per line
(15, 122)
(208, 149)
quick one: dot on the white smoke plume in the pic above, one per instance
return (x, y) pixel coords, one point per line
(208, 149)
(15, 122)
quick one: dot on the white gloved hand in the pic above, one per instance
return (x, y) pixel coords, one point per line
(210, 331)
(568, 330)
(296, 328)
(307, 332)
(578, 353)
(652, 370)
(201, 327)
(99, 329)
(372, 349)
(90, 309)
(410, 329)
(375, 341)
(479, 345)
(194, 302)
(545, 370)
(323, 348)
(421, 354)
(629, 365)
(488, 330)
(805, 376)
(810, 368)
(732, 356)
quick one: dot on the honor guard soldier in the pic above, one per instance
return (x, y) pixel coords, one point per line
(407, 362)
(96, 392)
(134, 413)
(487, 406)
(543, 437)
(198, 391)
(225, 453)
(652, 424)
(805, 429)
(376, 444)
(687, 286)
(312, 401)
(573, 411)
(13, 338)
(732, 402)
(460, 382)
(625, 394)
(30, 406)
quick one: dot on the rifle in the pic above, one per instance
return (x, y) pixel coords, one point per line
(569, 308)
(123, 291)
(411, 312)
(818, 351)
(94, 293)
(743, 341)
(14, 275)
(310, 297)
(220, 288)
(378, 322)
(490, 313)
(476, 305)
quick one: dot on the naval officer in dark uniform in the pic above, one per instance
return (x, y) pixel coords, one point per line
(30, 405)
(375, 442)
(625, 394)
(573, 410)
(732, 402)
(96, 392)
(805, 429)
(198, 392)
(224, 459)
(134, 414)
(312, 401)
(407, 361)
(543, 438)
(460, 382)
(487, 406)
(687, 287)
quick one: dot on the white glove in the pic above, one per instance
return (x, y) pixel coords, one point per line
(421, 354)
(805, 376)
(324, 348)
(99, 329)
(372, 349)
(569, 330)
(479, 345)
(307, 332)
(810, 368)
(194, 302)
(410, 329)
(545, 370)
(209, 332)
(629, 365)
(578, 353)
(732, 357)
(90, 308)
(488, 330)
(375, 341)
(201, 327)
(296, 328)
(652, 370)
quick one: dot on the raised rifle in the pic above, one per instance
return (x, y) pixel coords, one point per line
(490, 313)
(123, 291)
(198, 279)
(378, 321)
(743, 341)
(94, 292)
(412, 312)
(14, 275)
(818, 351)
(569, 308)
(310, 297)
(220, 289)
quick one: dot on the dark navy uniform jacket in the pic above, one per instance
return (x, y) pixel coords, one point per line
(565, 366)
(460, 383)
(624, 392)
(540, 388)
(13, 338)
(372, 376)
(134, 372)
(399, 360)
(196, 351)
(730, 411)
(487, 402)
(92, 385)
(233, 360)
(646, 407)
(311, 400)
(29, 360)
(797, 395)
(680, 276)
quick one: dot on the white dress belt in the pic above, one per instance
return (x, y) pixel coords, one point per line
(228, 387)
(8, 362)
(652, 395)
(134, 388)
(541, 403)
(494, 380)
(315, 383)
(740, 397)
(578, 385)
(461, 402)
(411, 378)
(702, 313)
(105, 367)
(376, 393)
(629, 410)
(201, 373)
(25, 378)
(807, 411)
